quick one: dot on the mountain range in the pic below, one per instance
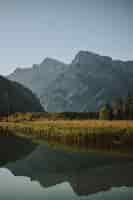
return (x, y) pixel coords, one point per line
(16, 98)
(87, 83)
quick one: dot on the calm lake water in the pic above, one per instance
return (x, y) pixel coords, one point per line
(53, 173)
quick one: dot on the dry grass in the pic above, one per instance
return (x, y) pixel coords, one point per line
(86, 133)
(72, 124)
(85, 123)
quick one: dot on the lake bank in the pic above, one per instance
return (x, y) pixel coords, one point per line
(105, 135)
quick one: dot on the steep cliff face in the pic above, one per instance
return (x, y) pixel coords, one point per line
(38, 77)
(87, 83)
(16, 98)
(90, 82)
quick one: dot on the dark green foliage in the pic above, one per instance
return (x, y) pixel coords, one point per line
(118, 110)
(81, 115)
(105, 113)
(129, 106)
(16, 98)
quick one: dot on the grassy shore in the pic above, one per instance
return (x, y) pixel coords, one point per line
(110, 135)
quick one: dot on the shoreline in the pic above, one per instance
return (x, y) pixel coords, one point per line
(88, 134)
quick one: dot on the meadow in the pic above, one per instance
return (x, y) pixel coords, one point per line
(98, 134)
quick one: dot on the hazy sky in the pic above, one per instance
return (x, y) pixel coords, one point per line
(31, 30)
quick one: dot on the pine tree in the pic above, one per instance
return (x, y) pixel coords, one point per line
(105, 113)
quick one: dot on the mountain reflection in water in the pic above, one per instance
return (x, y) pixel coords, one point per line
(84, 173)
(14, 188)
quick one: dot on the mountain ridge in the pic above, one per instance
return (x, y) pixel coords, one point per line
(85, 84)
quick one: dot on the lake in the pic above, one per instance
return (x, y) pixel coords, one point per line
(53, 173)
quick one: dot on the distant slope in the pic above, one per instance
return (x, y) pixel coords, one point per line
(38, 77)
(85, 84)
(16, 98)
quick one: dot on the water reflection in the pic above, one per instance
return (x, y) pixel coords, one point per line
(22, 188)
(86, 173)
(13, 148)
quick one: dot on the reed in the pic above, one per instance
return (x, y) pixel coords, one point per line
(87, 133)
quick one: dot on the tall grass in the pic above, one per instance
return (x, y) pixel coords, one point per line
(88, 133)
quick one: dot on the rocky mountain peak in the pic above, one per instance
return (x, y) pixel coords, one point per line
(84, 57)
(50, 61)
(87, 57)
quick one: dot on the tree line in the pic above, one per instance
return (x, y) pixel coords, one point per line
(121, 109)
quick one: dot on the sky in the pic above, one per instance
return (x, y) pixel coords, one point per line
(31, 30)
